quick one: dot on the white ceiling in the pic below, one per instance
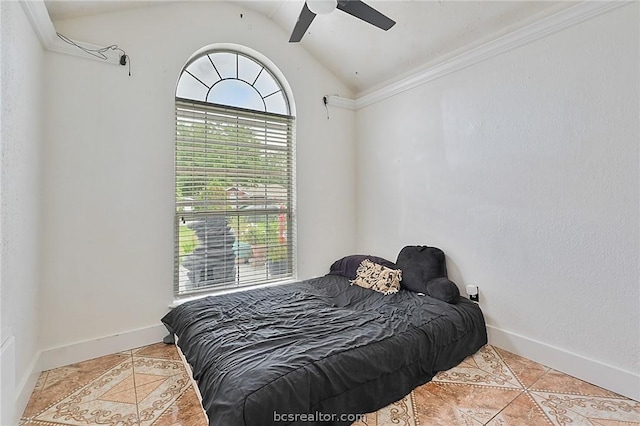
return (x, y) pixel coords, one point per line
(362, 55)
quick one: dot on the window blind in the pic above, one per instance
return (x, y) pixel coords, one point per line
(234, 217)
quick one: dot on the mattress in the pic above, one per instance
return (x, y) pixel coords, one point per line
(318, 351)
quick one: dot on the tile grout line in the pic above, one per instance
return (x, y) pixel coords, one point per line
(550, 391)
(570, 408)
(182, 393)
(535, 403)
(70, 392)
(523, 388)
(522, 391)
(135, 390)
(526, 390)
(416, 420)
(497, 374)
(44, 383)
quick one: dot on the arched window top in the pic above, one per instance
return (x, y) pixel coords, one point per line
(234, 79)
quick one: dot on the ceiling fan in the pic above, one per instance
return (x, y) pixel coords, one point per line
(355, 8)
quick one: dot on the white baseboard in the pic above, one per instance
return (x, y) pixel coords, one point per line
(89, 349)
(600, 374)
(7, 378)
(25, 387)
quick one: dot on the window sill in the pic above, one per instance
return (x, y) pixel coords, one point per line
(180, 300)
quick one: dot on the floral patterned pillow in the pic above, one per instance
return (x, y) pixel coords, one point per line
(377, 277)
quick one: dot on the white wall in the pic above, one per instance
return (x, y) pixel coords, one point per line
(524, 170)
(20, 203)
(109, 197)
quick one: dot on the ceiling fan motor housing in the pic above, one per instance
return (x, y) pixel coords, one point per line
(322, 7)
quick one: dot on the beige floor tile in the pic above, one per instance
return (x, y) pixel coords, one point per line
(60, 382)
(85, 405)
(430, 409)
(398, 413)
(565, 409)
(526, 371)
(158, 350)
(554, 381)
(186, 411)
(523, 411)
(485, 367)
(465, 399)
(128, 394)
(37, 401)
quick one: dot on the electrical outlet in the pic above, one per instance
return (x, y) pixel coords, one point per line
(473, 292)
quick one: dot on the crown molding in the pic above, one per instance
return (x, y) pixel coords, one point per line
(340, 102)
(38, 16)
(549, 25)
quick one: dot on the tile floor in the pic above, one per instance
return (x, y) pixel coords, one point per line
(150, 386)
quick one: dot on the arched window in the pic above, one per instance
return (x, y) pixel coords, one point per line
(234, 175)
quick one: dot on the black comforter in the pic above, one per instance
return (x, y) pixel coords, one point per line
(315, 351)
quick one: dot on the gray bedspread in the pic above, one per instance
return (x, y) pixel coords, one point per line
(318, 351)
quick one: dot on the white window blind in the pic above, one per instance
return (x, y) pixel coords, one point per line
(234, 197)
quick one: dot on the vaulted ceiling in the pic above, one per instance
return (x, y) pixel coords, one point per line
(361, 55)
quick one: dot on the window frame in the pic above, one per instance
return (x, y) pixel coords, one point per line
(289, 210)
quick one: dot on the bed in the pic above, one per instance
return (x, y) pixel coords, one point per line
(320, 351)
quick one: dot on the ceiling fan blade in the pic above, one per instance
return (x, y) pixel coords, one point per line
(304, 20)
(365, 12)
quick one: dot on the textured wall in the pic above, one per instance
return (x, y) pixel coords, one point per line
(20, 187)
(109, 197)
(524, 169)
